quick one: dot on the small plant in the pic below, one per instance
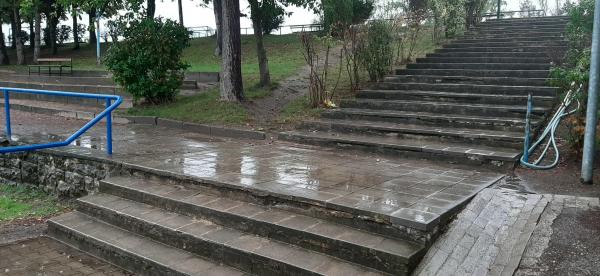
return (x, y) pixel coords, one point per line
(317, 59)
(147, 63)
(377, 52)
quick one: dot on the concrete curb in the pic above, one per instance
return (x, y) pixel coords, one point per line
(197, 128)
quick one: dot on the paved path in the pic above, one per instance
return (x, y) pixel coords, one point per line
(502, 231)
(45, 256)
(411, 190)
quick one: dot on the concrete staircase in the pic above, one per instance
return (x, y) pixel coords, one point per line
(152, 226)
(465, 103)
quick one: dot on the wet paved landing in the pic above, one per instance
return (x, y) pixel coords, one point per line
(412, 191)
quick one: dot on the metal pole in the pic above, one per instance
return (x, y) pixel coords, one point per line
(527, 128)
(7, 113)
(499, 7)
(109, 129)
(587, 165)
(98, 38)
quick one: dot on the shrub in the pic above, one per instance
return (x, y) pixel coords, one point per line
(346, 12)
(377, 52)
(147, 63)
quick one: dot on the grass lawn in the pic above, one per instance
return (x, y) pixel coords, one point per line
(18, 202)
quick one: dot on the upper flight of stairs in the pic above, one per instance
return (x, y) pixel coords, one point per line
(465, 103)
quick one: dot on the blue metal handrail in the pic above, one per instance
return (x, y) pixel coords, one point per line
(107, 113)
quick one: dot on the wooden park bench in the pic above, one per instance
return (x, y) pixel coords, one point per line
(52, 63)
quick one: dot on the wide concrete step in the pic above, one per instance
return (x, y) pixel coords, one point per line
(548, 43)
(539, 39)
(468, 80)
(489, 60)
(476, 73)
(469, 88)
(516, 124)
(511, 111)
(107, 81)
(514, 35)
(420, 132)
(482, 66)
(539, 48)
(524, 20)
(456, 97)
(391, 255)
(129, 250)
(452, 152)
(244, 251)
(558, 27)
(551, 22)
(465, 54)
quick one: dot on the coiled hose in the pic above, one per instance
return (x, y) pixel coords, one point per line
(549, 133)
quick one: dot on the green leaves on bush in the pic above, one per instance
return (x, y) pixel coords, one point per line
(377, 51)
(147, 63)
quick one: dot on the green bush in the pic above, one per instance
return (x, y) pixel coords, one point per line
(346, 12)
(376, 53)
(147, 63)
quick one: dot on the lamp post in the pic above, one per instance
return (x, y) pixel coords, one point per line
(589, 145)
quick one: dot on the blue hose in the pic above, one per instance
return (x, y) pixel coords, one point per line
(549, 134)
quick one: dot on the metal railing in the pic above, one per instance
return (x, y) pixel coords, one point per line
(514, 14)
(112, 102)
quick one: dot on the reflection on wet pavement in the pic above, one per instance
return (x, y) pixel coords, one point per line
(405, 189)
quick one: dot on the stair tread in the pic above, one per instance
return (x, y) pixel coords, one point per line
(469, 132)
(450, 148)
(176, 259)
(428, 114)
(454, 94)
(438, 103)
(235, 239)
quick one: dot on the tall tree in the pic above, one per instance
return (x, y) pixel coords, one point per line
(91, 25)
(3, 53)
(180, 8)
(232, 88)
(75, 16)
(17, 32)
(37, 46)
(257, 16)
(150, 8)
(218, 10)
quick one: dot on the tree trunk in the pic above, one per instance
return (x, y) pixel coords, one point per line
(151, 8)
(91, 26)
(218, 10)
(53, 23)
(232, 88)
(17, 35)
(3, 53)
(75, 29)
(180, 6)
(38, 38)
(32, 34)
(261, 53)
(13, 37)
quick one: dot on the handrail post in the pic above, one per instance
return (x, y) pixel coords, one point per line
(527, 128)
(108, 129)
(498, 15)
(7, 114)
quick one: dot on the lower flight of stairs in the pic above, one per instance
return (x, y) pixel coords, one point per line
(153, 227)
(465, 103)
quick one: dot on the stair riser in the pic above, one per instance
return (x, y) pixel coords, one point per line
(538, 61)
(541, 23)
(475, 73)
(467, 88)
(217, 252)
(482, 99)
(542, 49)
(480, 66)
(463, 80)
(558, 28)
(539, 39)
(465, 54)
(362, 255)
(408, 151)
(433, 108)
(429, 121)
(513, 35)
(516, 44)
(417, 135)
(515, 32)
(112, 254)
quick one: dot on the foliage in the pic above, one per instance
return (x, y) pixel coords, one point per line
(148, 62)
(377, 53)
(574, 72)
(345, 12)
(18, 202)
(63, 33)
(317, 54)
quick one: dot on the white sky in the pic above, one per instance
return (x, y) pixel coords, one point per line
(196, 15)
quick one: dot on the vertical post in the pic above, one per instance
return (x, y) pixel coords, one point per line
(108, 129)
(589, 145)
(499, 8)
(98, 38)
(527, 128)
(7, 114)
